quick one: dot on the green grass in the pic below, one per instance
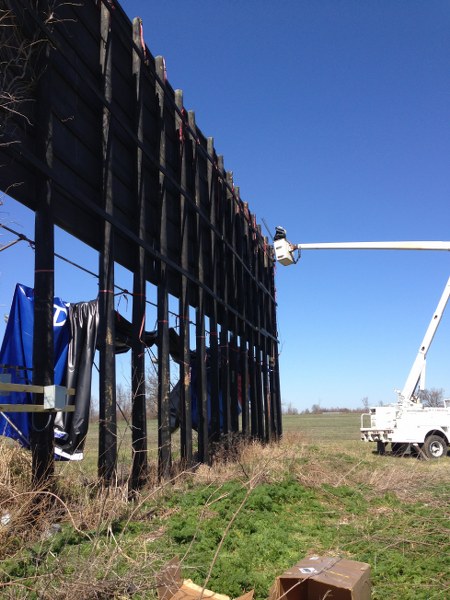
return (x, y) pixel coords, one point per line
(237, 526)
(325, 427)
(279, 524)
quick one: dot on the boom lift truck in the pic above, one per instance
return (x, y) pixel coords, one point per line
(407, 423)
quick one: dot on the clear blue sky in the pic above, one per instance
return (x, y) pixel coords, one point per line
(334, 116)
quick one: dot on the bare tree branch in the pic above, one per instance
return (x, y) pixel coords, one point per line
(433, 397)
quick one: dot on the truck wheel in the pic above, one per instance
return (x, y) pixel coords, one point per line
(434, 446)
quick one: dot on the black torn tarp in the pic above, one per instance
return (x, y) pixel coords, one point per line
(71, 427)
(124, 338)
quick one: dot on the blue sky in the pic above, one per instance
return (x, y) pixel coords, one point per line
(335, 118)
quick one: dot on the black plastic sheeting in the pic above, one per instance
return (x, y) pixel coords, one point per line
(71, 427)
(124, 338)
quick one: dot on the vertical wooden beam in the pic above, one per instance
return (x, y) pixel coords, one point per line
(244, 333)
(224, 346)
(272, 391)
(200, 353)
(43, 356)
(269, 267)
(214, 364)
(240, 304)
(185, 382)
(139, 416)
(259, 390)
(202, 386)
(251, 311)
(224, 379)
(43, 353)
(258, 361)
(107, 458)
(234, 300)
(243, 370)
(164, 438)
(252, 386)
(275, 361)
(266, 395)
(265, 366)
(241, 351)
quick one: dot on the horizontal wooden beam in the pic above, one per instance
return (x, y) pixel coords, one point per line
(28, 389)
(33, 408)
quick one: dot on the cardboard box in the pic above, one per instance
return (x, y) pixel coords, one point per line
(171, 586)
(320, 578)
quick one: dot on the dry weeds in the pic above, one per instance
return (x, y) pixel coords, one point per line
(335, 465)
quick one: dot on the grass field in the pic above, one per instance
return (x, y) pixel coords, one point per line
(324, 428)
(235, 526)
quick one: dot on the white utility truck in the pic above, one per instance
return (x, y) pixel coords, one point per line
(407, 424)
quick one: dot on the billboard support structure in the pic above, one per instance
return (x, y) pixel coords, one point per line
(113, 158)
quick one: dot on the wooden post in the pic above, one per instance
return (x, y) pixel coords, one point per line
(214, 365)
(43, 354)
(241, 359)
(200, 353)
(275, 362)
(43, 361)
(241, 366)
(107, 459)
(264, 344)
(270, 328)
(185, 383)
(244, 332)
(164, 438)
(234, 288)
(224, 326)
(138, 383)
(251, 312)
(266, 394)
(258, 361)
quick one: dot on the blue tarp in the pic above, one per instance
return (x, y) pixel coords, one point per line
(16, 357)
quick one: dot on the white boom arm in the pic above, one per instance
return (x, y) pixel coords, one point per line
(284, 250)
(417, 374)
(375, 246)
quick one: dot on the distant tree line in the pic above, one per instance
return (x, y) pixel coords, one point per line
(433, 397)
(316, 409)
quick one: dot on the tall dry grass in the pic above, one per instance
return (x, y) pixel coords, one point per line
(313, 465)
(79, 512)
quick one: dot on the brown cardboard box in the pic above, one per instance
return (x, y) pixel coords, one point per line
(171, 586)
(317, 578)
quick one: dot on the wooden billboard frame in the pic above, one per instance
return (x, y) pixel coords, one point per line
(107, 147)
